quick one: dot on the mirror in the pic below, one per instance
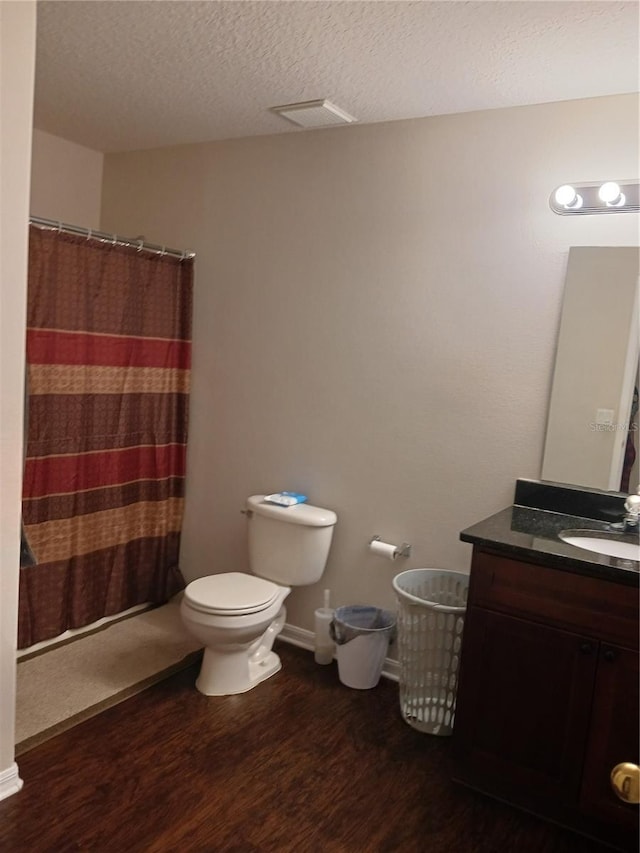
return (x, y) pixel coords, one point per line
(592, 428)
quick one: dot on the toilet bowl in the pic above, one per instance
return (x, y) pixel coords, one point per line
(237, 618)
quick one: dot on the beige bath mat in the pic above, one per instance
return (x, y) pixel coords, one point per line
(64, 685)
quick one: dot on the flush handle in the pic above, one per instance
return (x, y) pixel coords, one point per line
(625, 781)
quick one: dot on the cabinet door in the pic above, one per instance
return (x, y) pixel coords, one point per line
(613, 737)
(523, 708)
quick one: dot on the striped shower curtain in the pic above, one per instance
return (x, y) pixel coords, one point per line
(108, 354)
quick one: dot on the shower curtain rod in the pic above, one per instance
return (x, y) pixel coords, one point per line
(91, 233)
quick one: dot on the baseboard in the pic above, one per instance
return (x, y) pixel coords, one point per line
(305, 640)
(10, 782)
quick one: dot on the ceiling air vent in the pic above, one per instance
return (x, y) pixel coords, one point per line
(314, 114)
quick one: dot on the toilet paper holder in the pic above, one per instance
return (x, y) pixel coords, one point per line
(403, 550)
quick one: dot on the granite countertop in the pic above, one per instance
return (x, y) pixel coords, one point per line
(531, 533)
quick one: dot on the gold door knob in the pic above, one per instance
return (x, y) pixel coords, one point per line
(625, 780)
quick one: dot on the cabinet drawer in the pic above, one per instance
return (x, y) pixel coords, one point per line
(598, 607)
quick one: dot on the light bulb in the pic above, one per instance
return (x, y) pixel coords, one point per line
(610, 194)
(565, 195)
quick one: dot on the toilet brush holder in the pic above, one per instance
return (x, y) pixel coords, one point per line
(324, 648)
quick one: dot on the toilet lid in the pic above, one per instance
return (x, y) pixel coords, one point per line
(231, 592)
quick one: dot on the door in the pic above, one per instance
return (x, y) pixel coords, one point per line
(523, 708)
(613, 737)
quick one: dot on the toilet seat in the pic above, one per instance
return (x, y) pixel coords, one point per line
(231, 593)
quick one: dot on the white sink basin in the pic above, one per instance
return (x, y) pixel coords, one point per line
(602, 544)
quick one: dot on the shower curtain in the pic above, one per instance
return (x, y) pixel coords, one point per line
(108, 355)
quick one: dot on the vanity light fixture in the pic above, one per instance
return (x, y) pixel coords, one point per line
(607, 197)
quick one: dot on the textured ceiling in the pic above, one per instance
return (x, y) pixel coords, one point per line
(122, 74)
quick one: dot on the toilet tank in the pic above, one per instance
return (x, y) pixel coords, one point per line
(288, 545)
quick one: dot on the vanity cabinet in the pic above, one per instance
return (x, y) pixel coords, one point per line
(548, 693)
(613, 733)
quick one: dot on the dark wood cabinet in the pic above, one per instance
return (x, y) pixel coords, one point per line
(613, 734)
(548, 693)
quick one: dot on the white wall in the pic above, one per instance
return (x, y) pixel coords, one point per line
(376, 317)
(17, 52)
(66, 181)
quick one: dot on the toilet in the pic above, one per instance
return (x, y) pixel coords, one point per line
(237, 616)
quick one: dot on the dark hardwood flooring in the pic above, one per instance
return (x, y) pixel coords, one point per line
(300, 763)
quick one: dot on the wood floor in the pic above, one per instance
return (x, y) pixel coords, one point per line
(300, 763)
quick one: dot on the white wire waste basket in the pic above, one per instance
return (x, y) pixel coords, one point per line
(431, 608)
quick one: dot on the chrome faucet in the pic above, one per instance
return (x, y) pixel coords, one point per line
(631, 520)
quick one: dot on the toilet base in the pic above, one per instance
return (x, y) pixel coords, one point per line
(226, 675)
